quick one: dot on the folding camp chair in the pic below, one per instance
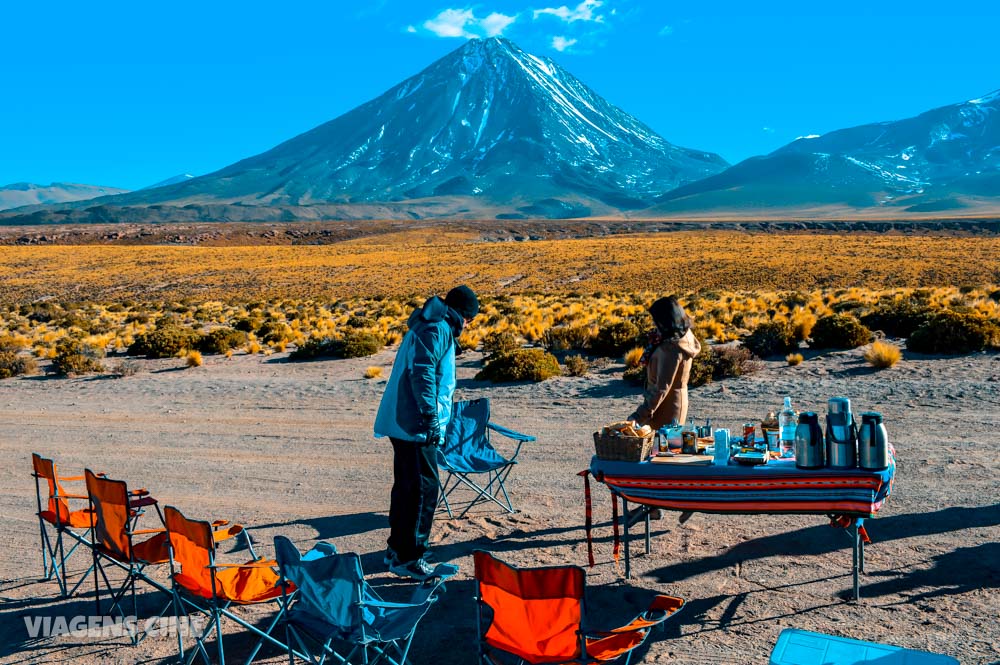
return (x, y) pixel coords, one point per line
(116, 513)
(803, 646)
(202, 584)
(57, 517)
(538, 616)
(467, 451)
(333, 603)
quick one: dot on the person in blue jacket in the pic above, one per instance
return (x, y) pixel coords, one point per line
(414, 414)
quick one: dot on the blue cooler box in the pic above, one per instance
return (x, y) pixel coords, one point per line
(801, 647)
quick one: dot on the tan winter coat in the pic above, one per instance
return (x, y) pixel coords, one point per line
(667, 375)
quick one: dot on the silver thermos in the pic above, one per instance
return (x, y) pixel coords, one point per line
(841, 435)
(873, 443)
(809, 445)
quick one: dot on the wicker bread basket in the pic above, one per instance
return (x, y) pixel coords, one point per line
(615, 447)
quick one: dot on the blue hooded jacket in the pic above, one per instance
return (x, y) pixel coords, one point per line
(423, 375)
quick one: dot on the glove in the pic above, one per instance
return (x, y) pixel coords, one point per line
(432, 428)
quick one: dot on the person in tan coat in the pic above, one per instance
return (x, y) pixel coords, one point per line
(668, 359)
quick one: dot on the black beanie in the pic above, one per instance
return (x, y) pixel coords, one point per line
(463, 300)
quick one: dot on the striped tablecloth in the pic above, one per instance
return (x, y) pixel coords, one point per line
(776, 487)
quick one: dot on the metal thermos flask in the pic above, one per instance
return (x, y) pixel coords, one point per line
(841, 435)
(809, 445)
(873, 443)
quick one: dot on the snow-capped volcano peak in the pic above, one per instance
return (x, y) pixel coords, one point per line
(488, 121)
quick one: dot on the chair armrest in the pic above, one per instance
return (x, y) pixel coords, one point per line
(262, 563)
(509, 433)
(140, 501)
(226, 534)
(218, 524)
(70, 496)
(660, 609)
(141, 532)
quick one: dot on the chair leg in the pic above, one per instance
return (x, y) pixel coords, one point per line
(218, 637)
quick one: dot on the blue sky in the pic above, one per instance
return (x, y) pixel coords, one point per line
(128, 93)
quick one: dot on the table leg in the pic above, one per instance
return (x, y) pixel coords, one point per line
(647, 510)
(625, 520)
(857, 557)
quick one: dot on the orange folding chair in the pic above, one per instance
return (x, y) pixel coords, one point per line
(56, 516)
(202, 584)
(537, 615)
(116, 512)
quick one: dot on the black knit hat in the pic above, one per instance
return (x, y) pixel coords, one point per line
(670, 317)
(463, 300)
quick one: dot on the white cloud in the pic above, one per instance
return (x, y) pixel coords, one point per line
(496, 23)
(464, 23)
(451, 23)
(585, 11)
(410, 28)
(560, 43)
(767, 130)
(666, 31)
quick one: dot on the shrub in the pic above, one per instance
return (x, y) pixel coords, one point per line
(222, 340)
(703, 366)
(13, 364)
(576, 365)
(360, 345)
(500, 341)
(73, 358)
(11, 344)
(898, 318)
(615, 339)
(839, 331)
(520, 365)
(165, 342)
(274, 331)
(246, 324)
(193, 359)
(954, 333)
(351, 345)
(373, 372)
(732, 361)
(770, 339)
(882, 355)
(567, 338)
(635, 376)
(634, 357)
(794, 359)
(125, 368)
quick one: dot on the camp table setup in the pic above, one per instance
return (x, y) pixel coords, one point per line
(847, 496)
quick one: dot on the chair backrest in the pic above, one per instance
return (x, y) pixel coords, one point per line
(467, 446)
(536, 611)
(330, 585)
(109, 499)
(45, 469)
(192, 548)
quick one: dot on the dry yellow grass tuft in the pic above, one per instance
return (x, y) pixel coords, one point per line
(373, 372)
(633, 357)
(794, 359)
(193, 359)
(882, 355)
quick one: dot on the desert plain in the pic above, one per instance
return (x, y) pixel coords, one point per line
(287, 448)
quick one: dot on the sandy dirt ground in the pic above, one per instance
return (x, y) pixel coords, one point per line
(286, 448)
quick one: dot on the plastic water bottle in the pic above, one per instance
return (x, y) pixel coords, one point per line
(787, 422)
(721, 457)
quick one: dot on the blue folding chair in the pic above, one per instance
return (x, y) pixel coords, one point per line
(334, 604)
(803, 647)
(467, 451)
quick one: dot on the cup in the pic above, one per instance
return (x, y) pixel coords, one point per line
(689, 442)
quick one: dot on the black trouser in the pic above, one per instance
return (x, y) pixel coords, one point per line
(414, 498)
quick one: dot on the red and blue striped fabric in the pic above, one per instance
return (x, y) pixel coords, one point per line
(777, 487)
